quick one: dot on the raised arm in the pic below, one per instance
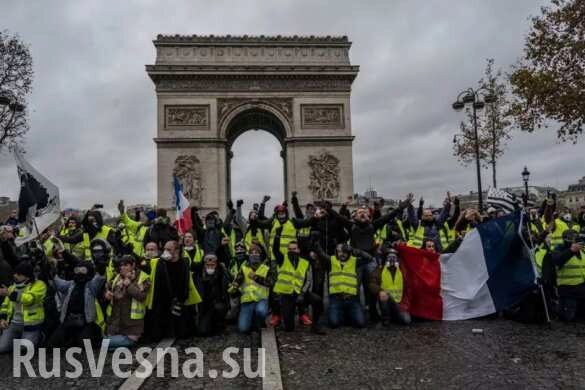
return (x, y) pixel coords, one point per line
(296, 208)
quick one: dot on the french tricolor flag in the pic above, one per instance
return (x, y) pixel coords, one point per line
(183, 221)
(489, 272)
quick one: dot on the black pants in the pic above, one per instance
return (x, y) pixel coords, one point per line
(72, 336)
(211, 319)
(290, 302)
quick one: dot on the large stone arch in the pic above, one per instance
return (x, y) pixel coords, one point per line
(212, 89)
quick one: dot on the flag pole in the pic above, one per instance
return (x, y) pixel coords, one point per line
(533, 262)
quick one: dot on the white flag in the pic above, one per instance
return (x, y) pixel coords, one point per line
(38, 203)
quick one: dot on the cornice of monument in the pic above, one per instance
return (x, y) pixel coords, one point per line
(177, 39)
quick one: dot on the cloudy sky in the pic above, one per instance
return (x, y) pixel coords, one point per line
(93, 106)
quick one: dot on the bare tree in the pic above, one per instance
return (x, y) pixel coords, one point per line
(16, 75)
(493, 125)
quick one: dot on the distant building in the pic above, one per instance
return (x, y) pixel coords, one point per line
(370, 197)
(574, 197)
(536, 194)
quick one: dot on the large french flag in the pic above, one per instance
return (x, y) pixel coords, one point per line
(489, 272)
(183, 221)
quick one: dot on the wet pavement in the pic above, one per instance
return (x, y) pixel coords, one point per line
(437, 355)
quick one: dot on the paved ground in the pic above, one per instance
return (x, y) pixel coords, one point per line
(427, 355)
(437, 355)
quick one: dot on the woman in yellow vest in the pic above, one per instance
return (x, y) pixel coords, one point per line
(253, 282)
(344, 286)
(127, 295)
(22, 313)
(387, 282)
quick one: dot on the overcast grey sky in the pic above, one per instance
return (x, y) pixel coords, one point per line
(93, 106)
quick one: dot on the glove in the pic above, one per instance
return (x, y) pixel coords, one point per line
(240, 202)
(230, 204)
(266, 198)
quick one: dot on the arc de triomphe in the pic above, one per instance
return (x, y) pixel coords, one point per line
(212, 89)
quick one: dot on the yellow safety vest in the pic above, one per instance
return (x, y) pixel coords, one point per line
(290, 279)
(197, 256)
(137, 308)
(383, 233)
(252, 291)
(445, 236)
(100, 320)
(192, 299)
(539, 255)
(343, 278)
(86, 243)
(32, 300)
(259, 238)
(573, 272)
(556, 236)
(288, 234)
(393, 285)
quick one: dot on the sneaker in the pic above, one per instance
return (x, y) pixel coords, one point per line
(305, 319)
(274, 320)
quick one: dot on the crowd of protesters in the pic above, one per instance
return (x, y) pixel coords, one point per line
(141, 279)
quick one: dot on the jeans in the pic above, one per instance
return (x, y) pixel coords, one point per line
(252, 313)
(346, 311)
(16, 331)
(118, 341)
(392, 312)
(290, 302)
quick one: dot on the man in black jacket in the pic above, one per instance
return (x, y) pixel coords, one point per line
(211, 280)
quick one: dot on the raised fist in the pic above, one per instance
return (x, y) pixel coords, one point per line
(266, 198)
(239, 202)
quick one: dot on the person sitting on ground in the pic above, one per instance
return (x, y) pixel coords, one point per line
(126, 294)
(253, 282)
(344, 286)
(81, 314)
(387, 282)
(22, 312)
(211, 280)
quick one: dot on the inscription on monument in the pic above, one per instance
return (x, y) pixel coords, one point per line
(322, 116)
(187, 117)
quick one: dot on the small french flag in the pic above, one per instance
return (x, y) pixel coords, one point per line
(183, 221)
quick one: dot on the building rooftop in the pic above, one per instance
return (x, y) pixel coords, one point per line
(265, 39)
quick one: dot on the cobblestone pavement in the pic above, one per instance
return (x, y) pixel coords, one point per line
(212, 348)
(436, 355)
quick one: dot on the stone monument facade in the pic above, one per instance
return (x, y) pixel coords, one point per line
(211, 89)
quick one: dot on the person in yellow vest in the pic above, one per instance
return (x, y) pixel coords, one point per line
(94, 228)
(81, 315)
(293, 288)
(344, 285)
(71, 235)
(172, 297)
(22, 313)
(289, 226)
(569, 258)
(191, 249)
(387, 282)
(429, 226)
(126, 295)
(253, 283)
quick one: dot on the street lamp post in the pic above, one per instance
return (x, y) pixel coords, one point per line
(525, 178)
(474, 97)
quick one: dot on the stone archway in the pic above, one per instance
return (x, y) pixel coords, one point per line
(211, 89)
